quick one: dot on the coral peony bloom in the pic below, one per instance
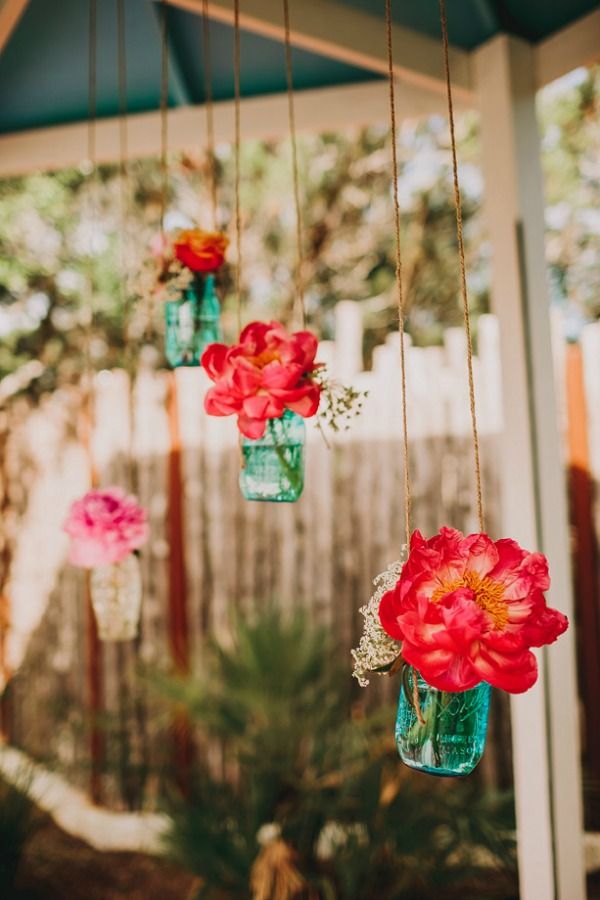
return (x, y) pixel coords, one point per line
(104, 527)
(468, 609)
(200, 251)
(267, 372)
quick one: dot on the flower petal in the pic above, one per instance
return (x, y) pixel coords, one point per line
(251, 428)
(388, 616)
(256, 407)
(219, 403)
(304, 401)
(483, 555)
(214, 361)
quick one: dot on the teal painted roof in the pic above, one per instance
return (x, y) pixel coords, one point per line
(43, 68)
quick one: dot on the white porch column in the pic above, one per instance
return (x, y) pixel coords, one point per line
(544, 721)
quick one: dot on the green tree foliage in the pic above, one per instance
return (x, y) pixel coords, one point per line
(44, 269)
(18, 820)
(570, 119)
(314, 793)
(61, 232)
(58, 231)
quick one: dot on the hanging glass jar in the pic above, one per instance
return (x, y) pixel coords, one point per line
(273, 465)
(192, 322)
(447, 734)
(116, 594)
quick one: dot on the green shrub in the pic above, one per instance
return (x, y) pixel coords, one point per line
(320, 792)
(17, 822)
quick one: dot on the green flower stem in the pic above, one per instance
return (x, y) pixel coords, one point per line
(431, 713)
(291, 474)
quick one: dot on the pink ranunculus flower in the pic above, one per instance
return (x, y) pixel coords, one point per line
(267, 372)
(104, 527)
(468, 609)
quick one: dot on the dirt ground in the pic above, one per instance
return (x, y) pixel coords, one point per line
(56, 866)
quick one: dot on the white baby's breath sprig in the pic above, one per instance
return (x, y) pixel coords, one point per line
(377, 651)
(340, 403)
(159, 282)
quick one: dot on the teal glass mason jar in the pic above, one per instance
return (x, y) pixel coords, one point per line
(192, 322)
(273, 465)
(451, 737)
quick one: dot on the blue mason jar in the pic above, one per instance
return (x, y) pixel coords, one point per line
(448, 737)
(192, 322)
(273, 466)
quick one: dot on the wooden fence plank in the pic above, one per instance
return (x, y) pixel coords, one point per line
(585, 569)
(231, 555)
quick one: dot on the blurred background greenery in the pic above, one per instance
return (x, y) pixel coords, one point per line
(56, 228)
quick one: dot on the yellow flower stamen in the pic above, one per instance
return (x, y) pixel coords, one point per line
(489, 595)
(263, 359)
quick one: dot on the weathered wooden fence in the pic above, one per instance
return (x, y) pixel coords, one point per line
(82, 706)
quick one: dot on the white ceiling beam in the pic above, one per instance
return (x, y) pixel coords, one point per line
(10, 13)
(339, 32)
(319, 109)
(574, 46)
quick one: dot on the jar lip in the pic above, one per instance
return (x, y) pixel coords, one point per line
(130, 560)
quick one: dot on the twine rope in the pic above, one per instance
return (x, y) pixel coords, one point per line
(92, 80)
(463, 271)
(124, 195)
(164, 113)
(210, 119)
(237, 143)
(123, 146)
(91, 155)
(88, 399)
(299, 284)
(400, 289)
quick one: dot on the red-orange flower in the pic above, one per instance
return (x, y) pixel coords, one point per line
(200, 251)
(260, 377)
(468, 609)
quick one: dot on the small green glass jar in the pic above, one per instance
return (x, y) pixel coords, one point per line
(273, 465)
(192, 322)
(451, 738)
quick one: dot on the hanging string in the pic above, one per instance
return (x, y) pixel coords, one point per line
(400, 289)
(210, 119)
(463, 271)
(124, 194)
(164, 113)
(88, 399)
(94, 659)
(123, 148)
(237, 145)
(292, 121)
(92, 78)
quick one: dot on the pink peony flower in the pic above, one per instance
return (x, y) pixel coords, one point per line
(104, 527)
(267, 372)
(468, 609)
